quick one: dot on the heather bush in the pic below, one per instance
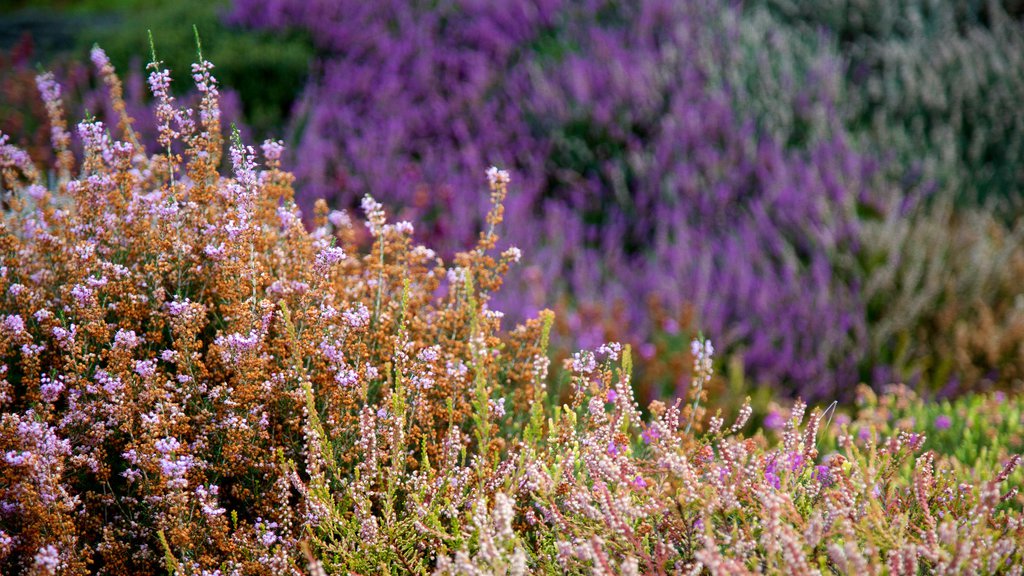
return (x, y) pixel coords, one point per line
(935, 83)
(194, 382)
(944, 300)
(647, 176)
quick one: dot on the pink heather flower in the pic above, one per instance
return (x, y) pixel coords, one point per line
(272, 150)
(339, 219)
(774, 420)
(160, 85)
(639, 482)
(328, 258)
(178, 307)
(496, 408)
(346, 377)
(267, 536)
(206, 84)
(65, 336)
(374, 215)
(236, 345)
(81, 294)
(942, 422)
(50, 389)
(126, 339)
(611, 350)
(110, 384)
(175, 469)
(167, 445)
(771, 475)
(357, 317)
(611, 396)
(99, 58)
(823, 475)
(94, 137)
(583, 362)
(145, 368)
(48, 87)
(47, 560)
(207, 496)
(497, 177)
(215, 253)
(13, 325)
(650, 435)
(15, 458)
(287, 216)
(36, 191)
(513, 254)
(796, 461)
(243, 164)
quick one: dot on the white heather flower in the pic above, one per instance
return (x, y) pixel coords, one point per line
(513, 254)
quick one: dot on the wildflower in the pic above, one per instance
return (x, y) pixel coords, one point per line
(206, 84)
(374, 215)
(771, 475)
(47, 560)
(145, 368)
(357, 317)
(272, 150)
(339, 219)
(496, 408)
(50, 388)
(583, 363)
(13, 325)
(328, 258)
(65, 336)
(82, 294)
(942, 422)
(497, 177)
(774, 420)
(126, 340)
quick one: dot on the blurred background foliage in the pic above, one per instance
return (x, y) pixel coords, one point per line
(831, 189)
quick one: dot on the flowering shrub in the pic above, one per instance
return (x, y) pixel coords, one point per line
(944, 301)
(935, 83)
(643, 179)
(193, 382)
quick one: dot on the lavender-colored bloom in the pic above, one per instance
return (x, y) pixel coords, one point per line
(126, 339)
(328, 258)
(774, 420)
(13, 325)
(771, 474)
(823, 475)
(47, 560)
(942, 422)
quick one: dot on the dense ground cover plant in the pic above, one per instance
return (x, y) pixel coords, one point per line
(935, 83)
(643, 179)
(194, 382)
